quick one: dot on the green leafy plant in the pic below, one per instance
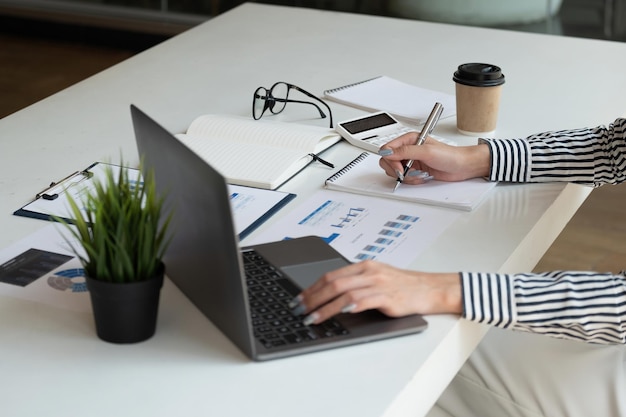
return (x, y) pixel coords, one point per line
(120, 230)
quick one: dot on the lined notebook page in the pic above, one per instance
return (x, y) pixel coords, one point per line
(364, 176)
(266, 132)
(255, 153)
(258, 166)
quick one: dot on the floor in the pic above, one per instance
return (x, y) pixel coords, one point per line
(41, 65)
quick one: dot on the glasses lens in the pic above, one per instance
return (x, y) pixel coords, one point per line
(259, 102)
(279, 92)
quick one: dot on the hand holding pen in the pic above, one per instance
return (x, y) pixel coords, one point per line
(429, 126)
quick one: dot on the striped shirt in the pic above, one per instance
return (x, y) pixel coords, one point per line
(587, 306)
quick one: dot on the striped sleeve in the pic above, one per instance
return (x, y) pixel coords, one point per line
(584, 306)
(590, 156)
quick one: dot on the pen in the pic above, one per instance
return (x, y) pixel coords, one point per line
(429, 126)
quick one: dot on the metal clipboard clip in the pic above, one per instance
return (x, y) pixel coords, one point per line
(56, 188)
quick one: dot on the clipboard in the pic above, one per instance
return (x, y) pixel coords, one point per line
(49, 202)
(251, 207)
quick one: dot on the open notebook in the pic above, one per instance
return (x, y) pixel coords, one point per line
(256, 153)
(364, 176)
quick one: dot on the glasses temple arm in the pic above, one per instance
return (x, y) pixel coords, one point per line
(288, 100)
(330, 113)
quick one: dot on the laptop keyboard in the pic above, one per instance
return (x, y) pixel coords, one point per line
(272, 320)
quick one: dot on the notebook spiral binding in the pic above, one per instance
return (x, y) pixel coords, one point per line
(347, 168)
(343, 87)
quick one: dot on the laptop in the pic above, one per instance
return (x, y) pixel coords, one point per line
(245, 291)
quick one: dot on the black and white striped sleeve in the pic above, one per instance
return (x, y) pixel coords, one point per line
(587, 306)
(590, 156)
(584, 306)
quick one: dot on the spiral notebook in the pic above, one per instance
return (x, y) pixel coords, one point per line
(364, 176)
(408, 103)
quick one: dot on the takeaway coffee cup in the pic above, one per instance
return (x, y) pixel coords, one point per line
(478, 89)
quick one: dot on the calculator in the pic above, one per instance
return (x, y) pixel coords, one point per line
(372, 131)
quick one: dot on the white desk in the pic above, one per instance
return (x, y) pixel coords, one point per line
(51, 362)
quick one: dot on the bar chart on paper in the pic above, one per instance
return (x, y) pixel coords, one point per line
(332, 214)
(362, 227)
(348, 218)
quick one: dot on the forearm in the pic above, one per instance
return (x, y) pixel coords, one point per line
(573, 305)
(592, 156)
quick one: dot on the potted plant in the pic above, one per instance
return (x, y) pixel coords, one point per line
(119, 235)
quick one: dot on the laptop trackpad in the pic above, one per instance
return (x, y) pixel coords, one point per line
(304, 275)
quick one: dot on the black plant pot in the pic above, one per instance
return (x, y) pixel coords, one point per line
(126, 312)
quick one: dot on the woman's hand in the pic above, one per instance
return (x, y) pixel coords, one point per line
(374, 285)
(434, 159)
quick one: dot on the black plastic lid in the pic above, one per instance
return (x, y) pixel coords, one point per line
(479, 75)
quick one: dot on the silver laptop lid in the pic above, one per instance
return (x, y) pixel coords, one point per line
(203, 257)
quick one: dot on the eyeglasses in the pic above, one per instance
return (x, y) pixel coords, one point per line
(276, 98)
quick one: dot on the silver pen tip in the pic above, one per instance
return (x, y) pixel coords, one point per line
(395, 187)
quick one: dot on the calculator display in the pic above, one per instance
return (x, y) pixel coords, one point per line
(368, 123)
